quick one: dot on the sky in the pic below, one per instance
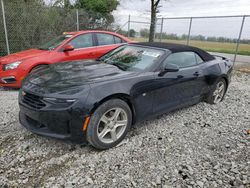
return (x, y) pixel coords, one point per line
(228, 27)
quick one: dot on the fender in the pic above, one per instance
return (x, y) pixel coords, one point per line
(38, 64)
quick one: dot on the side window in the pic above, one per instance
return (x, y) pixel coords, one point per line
(182, 59)
(82, 41)
(198, 59)
(118, 40)
(105, 39)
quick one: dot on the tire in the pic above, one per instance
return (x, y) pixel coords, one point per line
(211, 98)
(38, 67)
(113, 117)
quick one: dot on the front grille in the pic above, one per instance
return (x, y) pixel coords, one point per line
(9, 80)
(33, 101)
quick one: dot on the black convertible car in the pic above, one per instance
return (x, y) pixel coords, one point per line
(99, 100)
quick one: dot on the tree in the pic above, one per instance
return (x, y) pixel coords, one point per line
(92, 14)
(99, 11)
(154, 11)
(63, 3)
(132, 33)
(144, 33)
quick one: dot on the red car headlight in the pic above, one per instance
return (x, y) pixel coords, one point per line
(11, 66)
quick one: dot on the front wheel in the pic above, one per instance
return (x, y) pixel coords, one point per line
(217, 94)
(38, 68)
(109, 124)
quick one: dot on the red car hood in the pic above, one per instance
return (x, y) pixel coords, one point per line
(22, 55)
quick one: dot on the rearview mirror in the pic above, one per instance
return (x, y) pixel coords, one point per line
(68, 47)
(169, 68)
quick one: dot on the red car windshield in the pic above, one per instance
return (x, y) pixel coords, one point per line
(52, 44)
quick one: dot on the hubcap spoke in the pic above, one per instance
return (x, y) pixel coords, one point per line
(113, 135)
(104, 132)
(221, 88)
(219, 92)
(120, 123)
(216, 98)
(116, 114)
(104, 119)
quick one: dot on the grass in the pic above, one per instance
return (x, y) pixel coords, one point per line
(223, 47)
(244, 49)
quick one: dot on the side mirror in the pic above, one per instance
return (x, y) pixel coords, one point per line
(68, 47)
(169, 68)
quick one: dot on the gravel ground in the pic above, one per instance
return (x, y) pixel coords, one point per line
(200, 146)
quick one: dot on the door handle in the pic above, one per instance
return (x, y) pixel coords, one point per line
(196, 74)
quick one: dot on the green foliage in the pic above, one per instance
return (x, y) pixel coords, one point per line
(132, 33)
(122, 32)
(30, 23)
(64, 3)
(100, 6)
(144, 33)
(34, 2)
(173, 36)
(99, 12)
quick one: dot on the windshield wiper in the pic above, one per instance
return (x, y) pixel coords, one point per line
(42, 48)
(119, 66)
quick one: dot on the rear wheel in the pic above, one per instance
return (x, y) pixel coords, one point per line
(217, 94)
(109, 124)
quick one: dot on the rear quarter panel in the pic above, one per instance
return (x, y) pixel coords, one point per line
(217, 69)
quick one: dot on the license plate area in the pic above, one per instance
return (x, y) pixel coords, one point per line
(34, 123)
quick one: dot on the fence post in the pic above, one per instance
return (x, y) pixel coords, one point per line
(238, 41)
(162, 20)
(189, 30)
(5, 28)
(77, 20)
(128, 24)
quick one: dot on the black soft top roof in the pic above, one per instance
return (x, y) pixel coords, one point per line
(178, 48)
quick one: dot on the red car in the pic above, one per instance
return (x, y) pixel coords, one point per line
(67, 47)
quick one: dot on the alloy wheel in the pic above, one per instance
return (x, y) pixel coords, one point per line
(112, 125)
(219, 92)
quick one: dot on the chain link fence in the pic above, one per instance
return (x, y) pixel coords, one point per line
(223, 34)
(29, 25)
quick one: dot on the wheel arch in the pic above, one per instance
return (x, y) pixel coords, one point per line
(36, 65)
(226, 80)
(125, 97)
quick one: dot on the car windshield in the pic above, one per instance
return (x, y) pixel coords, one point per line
(132, 58)
(52, 44)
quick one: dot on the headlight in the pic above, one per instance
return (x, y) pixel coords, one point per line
(11, 66)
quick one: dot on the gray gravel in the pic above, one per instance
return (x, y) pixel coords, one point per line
(200, 146)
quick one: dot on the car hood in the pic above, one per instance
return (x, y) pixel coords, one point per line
(63, 76)
(19, 56)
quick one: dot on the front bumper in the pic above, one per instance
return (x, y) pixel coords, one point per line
(60, 124)
(12, 78)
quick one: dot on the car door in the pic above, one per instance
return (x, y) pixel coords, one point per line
(84, 48)
(106, 42)
(177, 89)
